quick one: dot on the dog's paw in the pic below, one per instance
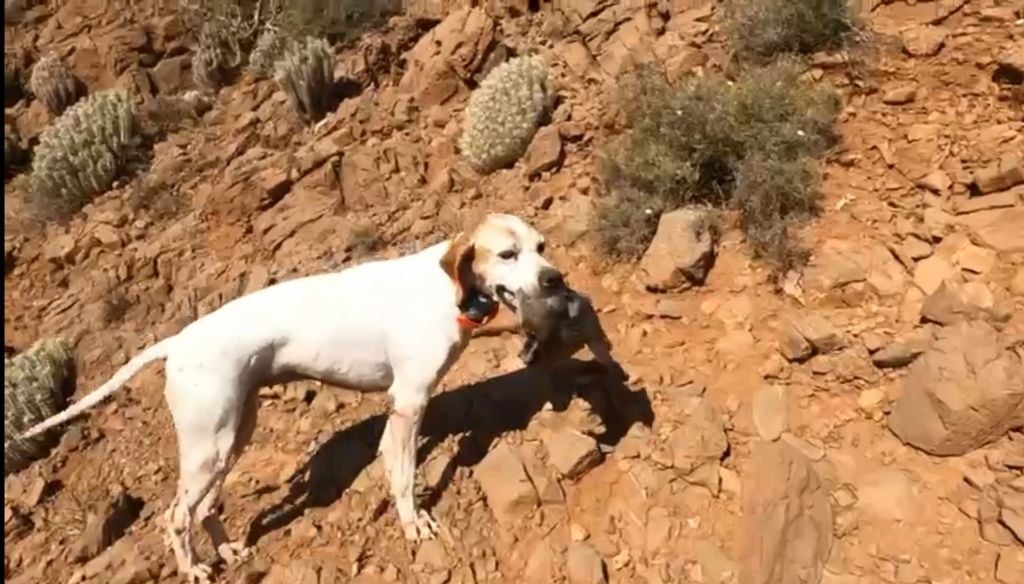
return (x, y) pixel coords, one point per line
(422, 528)
(200, 574)
(234, 553)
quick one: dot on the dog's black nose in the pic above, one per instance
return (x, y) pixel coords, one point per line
(551, 279)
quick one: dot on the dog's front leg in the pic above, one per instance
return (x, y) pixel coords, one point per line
(398, 446)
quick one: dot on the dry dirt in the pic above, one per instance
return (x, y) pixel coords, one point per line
(685, 483)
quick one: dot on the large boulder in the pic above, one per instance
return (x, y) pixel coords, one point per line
(503, 479)
(682, 252)
(787, 518)
(964, 392)
(444, 58)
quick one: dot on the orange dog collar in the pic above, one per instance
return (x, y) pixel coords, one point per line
(467, 323)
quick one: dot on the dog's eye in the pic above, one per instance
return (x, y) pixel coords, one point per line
(540, 247)
(508, 254)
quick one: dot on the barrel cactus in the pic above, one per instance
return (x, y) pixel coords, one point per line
(82, 152)
(270, 46)
(52, 82)
(503, 114)
(34, 383)
(306, 75)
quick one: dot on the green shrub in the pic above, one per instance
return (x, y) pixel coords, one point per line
(749, 145)
(82, 152)
(772, 192)
(762, 29)
(306, 75)
(681, 142)
(504, 113)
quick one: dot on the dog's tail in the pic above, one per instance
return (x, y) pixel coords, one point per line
(157, 351)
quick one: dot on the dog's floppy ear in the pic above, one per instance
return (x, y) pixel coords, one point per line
(457, 262)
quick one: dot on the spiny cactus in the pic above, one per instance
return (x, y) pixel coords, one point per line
(505, 112)
(216, 55)
(269, 48)
(81, 154)
(53, 83)
(33, 391)
(306, 74)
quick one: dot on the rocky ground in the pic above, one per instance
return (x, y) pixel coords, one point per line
(864, 420)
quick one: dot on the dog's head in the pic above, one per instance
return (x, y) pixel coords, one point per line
(503, 257)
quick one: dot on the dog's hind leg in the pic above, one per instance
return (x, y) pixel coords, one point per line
(207, 413)
(198, 470)
(232, 552)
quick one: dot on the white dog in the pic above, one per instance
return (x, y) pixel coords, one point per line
(394, 324)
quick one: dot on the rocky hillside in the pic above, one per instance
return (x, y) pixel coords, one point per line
(856, 421)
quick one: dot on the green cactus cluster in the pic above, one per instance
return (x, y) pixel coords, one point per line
(306, 75)
(82, 152)
(54, 84)
(270, 46)
(504, 113)
(34, 384)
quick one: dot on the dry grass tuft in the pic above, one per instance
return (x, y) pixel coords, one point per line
(763, 29)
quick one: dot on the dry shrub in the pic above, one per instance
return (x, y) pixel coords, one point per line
(364, 239)
(339, 20)
(750, 145)
(762, 29)
(156, 198)
(628, 219)
(772, 192)
(165, 114)
(115, 307)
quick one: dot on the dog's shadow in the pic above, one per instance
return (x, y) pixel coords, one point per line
(481, 412)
